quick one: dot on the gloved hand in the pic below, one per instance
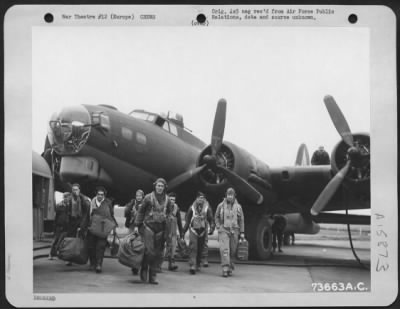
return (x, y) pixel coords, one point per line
(81, 233)
(136, 230)
(242, 236)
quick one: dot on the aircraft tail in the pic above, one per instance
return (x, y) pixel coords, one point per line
(302, 158)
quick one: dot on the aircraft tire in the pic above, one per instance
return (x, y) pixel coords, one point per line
(260, 238)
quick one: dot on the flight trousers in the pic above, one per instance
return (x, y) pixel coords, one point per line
(96, 248)
(228, 243)
(204, 253)
(171, 240)
(154, 243)
(196, 247)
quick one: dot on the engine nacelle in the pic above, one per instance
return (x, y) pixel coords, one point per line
(237, 160)
(358, 176)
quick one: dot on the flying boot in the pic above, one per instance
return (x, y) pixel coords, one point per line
(171, 264)
(152, 276)
(144, 273)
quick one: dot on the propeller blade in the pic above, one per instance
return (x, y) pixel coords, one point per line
(218, 127)
(329, 190)
(178, 180)
(242, 185)
(338, 120)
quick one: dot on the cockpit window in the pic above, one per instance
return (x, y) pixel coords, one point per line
(166, 126)
(137, 115)
(173, 129)
(143, 116)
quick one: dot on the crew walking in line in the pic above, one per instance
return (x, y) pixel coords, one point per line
(78, 213)
(60, 223)
(131, 210)
(101, 219)
(229, 220)
(151, 219)
(196, 220)
(174, 223)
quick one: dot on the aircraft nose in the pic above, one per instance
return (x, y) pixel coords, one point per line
(69, 129)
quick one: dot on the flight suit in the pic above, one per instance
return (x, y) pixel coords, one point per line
(131, 211)
(204, 254)
(196, 221)
(151, 219)
(174, 222)
(229, 220)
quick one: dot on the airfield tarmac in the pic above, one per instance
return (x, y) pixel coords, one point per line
(322, 258)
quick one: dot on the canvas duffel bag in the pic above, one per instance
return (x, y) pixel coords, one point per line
(131, 250)
(73, 249)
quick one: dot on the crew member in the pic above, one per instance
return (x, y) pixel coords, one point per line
(204, 253)
(229, 219)
(151, 219)
(320, 157)
(78, 213)
(131, 210)
(174, 222)
(60, 223)
(197, 216)
(278, 228)
(103, 208)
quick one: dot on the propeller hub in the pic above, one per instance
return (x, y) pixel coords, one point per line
(210, 160)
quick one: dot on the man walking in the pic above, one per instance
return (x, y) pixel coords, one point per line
(174, 222)
(151, 219)
(61, 223)
(196, 220)
(131, 210)
(229, 220)
(78, 213)
(278, 227)
(101, 209)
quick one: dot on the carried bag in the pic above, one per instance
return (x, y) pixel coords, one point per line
(243, 250)
(73, 249)
(114, 246)
(131, 251)
(101, 226)
(182, 248)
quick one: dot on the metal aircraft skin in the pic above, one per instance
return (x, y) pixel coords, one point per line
(98, 145)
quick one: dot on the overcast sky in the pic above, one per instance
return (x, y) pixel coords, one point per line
(273, 78)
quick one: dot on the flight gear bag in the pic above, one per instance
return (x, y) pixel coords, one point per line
(74, 249)
(182, 248)
(131, 251)
(114, 246)
(101, 226)
(243, 250)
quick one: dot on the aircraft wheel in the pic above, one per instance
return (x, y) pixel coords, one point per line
(260, 238)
